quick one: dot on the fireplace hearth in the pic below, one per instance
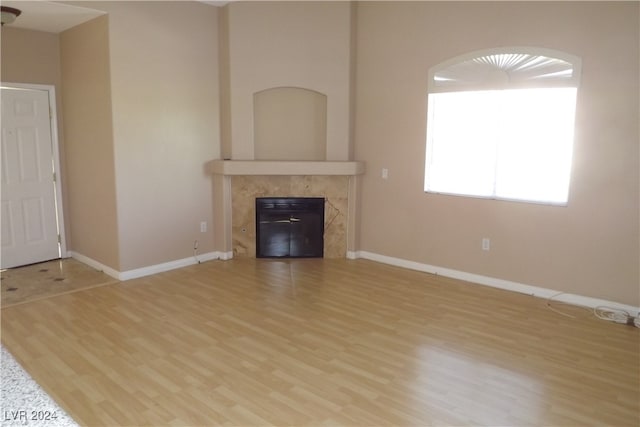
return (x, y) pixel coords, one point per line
(290, 227)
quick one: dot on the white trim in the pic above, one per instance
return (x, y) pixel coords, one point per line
(508, 285)
(149, 270)
(353, 255)
(208, 256)
(95, 264)
(226, 256)
(171, 265)
(55, 150)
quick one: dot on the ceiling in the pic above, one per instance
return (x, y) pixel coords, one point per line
(54, 17)
(49, 16)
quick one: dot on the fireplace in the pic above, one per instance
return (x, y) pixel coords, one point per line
(338, 182)
(290, 227)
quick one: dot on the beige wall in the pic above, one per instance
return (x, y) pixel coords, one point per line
(140, 89)
(159, 76)
(224, 76)
(290, 124)
(287, 44)
(590, 247)
(164, 88)
(30, 57)
(90, 169)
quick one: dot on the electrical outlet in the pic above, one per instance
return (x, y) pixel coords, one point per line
(203, 227)
(486, 244)
(385, 173)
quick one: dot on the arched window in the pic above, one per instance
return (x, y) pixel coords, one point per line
(500, 125)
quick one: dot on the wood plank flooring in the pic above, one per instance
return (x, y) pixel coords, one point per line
(323, 342)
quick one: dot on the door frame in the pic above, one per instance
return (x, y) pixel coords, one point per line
(55, 150)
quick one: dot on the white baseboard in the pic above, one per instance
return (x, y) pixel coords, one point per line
(496, 283)
(95, 264)
(171, 265)
(146, 271)
(352, 255)
(508, 285)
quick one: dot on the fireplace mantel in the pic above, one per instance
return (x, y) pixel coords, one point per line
(285, 167)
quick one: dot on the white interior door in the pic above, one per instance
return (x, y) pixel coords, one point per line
(28, 214)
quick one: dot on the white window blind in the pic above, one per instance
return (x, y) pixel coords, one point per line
(500, 125)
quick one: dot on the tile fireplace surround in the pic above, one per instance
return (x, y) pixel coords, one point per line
(238, 182)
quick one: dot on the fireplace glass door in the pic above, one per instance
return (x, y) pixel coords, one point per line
(289, 227)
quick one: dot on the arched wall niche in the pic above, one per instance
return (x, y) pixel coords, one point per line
(290, 123)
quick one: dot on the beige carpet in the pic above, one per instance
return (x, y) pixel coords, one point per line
(47, 279)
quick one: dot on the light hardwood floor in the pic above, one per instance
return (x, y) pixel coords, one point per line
(323, 342)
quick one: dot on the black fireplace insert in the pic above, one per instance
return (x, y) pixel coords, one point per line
(290, 227)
